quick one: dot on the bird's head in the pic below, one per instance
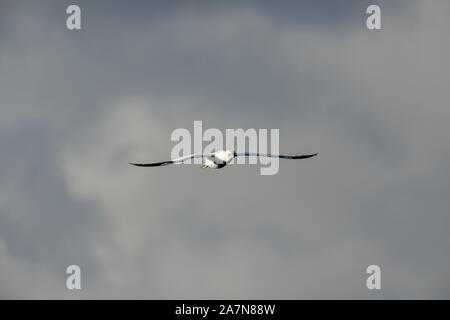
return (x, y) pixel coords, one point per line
(229, 155)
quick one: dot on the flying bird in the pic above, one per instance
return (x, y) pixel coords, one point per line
(219, 159)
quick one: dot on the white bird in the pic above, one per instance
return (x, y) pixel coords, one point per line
(219, 159)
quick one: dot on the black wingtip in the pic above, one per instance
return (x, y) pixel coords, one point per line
(305, 156)
(155, 164)
(133, 164)
(140, 164)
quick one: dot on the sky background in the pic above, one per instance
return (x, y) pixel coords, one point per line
(77, 106)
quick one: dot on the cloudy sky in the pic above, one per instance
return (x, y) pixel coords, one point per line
(77, 106)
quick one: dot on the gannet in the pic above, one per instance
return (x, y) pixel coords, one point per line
(219, 159)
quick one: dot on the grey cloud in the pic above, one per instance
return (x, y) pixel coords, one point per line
(78, 106)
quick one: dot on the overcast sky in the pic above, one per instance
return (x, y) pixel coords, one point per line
(77, 106)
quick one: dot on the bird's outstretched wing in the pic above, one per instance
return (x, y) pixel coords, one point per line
(252, 154)
(174, 161)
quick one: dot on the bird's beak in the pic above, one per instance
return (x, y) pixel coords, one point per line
(203, 166)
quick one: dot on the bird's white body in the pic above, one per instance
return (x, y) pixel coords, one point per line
(218, 159)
